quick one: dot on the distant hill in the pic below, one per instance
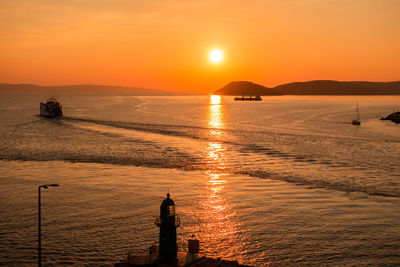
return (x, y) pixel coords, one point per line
(327, 87)
(245, 88)
(317, 87)
(83, 89)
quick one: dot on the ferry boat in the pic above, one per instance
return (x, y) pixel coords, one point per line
(248, 98)
(51, 109)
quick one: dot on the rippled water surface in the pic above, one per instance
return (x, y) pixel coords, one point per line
(284, 181)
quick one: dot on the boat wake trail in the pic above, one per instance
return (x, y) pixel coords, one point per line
(185, 147)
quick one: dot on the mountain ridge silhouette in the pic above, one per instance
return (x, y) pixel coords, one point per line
(315, 87)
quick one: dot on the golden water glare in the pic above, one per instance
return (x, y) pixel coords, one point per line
(216, 119)
(220, 228)
(215, 99)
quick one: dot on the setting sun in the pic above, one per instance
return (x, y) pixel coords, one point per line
(216, 56)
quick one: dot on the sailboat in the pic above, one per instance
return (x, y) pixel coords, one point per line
(357, 120)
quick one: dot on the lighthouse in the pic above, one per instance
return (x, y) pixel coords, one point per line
(168, 222)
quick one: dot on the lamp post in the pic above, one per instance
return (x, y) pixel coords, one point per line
(39, 224)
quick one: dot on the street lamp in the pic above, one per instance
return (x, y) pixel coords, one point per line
(39, 224)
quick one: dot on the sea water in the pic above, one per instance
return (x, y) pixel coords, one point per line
(285, 181)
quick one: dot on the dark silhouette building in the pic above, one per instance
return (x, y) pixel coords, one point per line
(168, 248)
(168, 254)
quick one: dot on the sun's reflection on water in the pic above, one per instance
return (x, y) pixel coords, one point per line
(216, 119)
(215, 99)
(218, 228)
(215, 156)
(215, 201)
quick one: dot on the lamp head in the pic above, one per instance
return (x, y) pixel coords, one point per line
(47, 185)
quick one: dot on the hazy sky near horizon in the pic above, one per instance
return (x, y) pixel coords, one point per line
(165, 44)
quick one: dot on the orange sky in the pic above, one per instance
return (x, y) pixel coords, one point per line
(165, 44)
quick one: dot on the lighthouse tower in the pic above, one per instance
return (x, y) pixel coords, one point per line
(168, 223)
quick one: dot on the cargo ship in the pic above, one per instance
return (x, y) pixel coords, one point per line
(248, 98)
